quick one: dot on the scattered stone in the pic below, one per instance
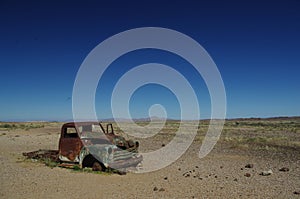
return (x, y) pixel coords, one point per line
(161, 189)
(186, 174)
(249, 166)
(221, 167)
(200, 178)
(155, 189)
(17, 136)
(242, 168)
(193, 170)
(216, 176)
(235, 179)
(266, 173)
(297, 192)
(247, 175)
(163, 145)
(165, 178)
(179, 169)
(284, 169)
(197, 167)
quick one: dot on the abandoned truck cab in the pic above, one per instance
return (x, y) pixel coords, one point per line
(90, 145)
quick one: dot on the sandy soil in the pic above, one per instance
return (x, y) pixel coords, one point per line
(221, 174)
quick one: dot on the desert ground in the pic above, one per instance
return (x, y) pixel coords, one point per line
(259, 144)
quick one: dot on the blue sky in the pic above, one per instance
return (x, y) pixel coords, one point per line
(255, 45)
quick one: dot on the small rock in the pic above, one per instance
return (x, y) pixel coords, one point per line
(179, 169)
(216, 176)
(284, 169)
(221, 167)
(186, 174)
(266, 173)
(163, 145)
(297, 192)
(235, 179)
(165, 178)
(242, 168)
(247, 174)
(161, 189)
(249, 166)
(197, 167)
(155, 189)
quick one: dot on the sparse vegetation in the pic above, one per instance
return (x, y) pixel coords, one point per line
(49, 162)
(244, 134)
(25, 126)
(8, 126)
(262, 134)
(76, 168)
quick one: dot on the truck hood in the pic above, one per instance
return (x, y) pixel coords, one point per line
(109, 155)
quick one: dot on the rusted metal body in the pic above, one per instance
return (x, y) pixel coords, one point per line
(69, 145)
(43, 154)
(88, 143)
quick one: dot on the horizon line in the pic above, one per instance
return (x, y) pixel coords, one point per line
(146, 119)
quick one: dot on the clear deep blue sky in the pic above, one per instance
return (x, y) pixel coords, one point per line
(255, 44)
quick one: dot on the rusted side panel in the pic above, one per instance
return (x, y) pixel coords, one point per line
(70, 148)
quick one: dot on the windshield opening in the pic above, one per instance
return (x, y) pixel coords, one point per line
(90, 131)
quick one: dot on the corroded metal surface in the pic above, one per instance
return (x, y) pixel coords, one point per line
(89, 143)
(43, 154)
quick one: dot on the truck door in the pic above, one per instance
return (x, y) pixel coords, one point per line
(70, 144)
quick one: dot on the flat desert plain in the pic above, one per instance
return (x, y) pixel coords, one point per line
(246, 148)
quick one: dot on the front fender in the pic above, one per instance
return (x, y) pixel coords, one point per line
(99, 152)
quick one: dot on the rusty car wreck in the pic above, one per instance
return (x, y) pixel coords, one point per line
(89, 144)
